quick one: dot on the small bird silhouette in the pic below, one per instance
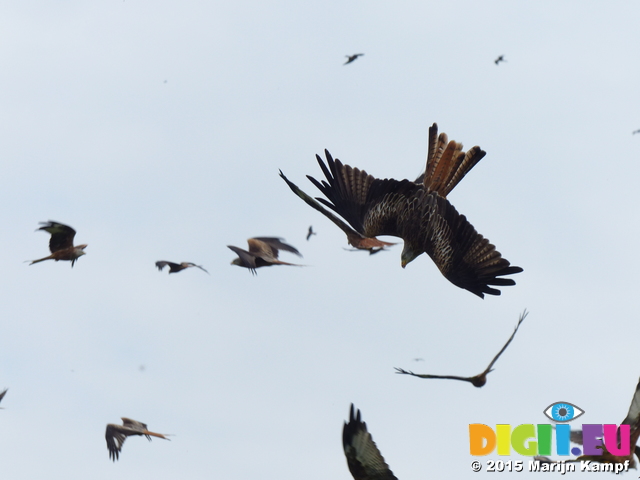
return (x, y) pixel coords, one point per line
(499, 59)
(117, 434)
(635, 131)
(310, 232)
(352, 58)
(177, 267)
(477, 380)
(2, 394)
(263, 252)
(61, 243)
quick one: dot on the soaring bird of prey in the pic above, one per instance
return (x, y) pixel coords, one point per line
(117, 434)
(363, 457)
(263, 252)
(352, 58)
(2, 394)
(177, 267)
(632, 419)
(310, 232)
(61, 243)
(477, 380)
(418, 212)
(499, 59)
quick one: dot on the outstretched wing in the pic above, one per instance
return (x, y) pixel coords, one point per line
(633, 416)
(172, 266)
(247, 259)
(274, 243)
(363, 457)
(2, 394)
(115, 439)
(427, 222)
(61, 235)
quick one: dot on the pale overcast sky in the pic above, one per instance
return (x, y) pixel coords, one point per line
(156, 129)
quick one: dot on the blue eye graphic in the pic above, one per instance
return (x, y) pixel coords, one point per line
(563, 412)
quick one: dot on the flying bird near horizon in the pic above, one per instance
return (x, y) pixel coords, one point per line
(363, 457)
(263, 252)
(352, 58)
(477, 380)
(2, 394)
(310, 232)
(61, 243)
(499, 59)
(177, 267)
(418, 212)
(117, 434)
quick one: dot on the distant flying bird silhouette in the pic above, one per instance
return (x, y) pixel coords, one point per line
(418, 212)
(373, 245)
(363, 457)
(2, 394)
(117, 434)
(632, 419)
(263, 252)
(310, 232)
(61, 243)
(177, 267)
(635, 131)
(477, 380)
(352, 58)
(499, 59)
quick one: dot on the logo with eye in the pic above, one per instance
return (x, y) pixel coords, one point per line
(563, 412)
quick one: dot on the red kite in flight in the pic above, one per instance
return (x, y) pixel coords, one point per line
(363, 457)
(263, 252)
(418, 212)
(477, 380)
(117, 434)
(61, 243)
(352, 58)
(177, 267)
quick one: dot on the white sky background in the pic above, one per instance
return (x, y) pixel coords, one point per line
(255, 375)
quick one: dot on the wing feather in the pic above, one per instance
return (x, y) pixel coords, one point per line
(61, 235)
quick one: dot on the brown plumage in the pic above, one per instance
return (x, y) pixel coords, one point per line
(177, 267)
(417, 212)
(363, 457)
(359, 241)
(477, 380)
(61, 243)
(117, 434)
(263, 252)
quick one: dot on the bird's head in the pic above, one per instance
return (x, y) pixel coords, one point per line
(408, 255)
(237, 261)
(80, 249)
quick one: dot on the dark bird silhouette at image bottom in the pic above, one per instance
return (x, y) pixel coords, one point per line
(117, 434)
(418, 212)
(177, 267)
(632, 419)
(477, 380)
(61, 243)
(263, 252)
(352, 58)
(499, 59)
(363, 457)
(2, 394)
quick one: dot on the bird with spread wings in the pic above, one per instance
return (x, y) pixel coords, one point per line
(117, 434)
(263, 252)
(477, 380)
(632, 419)
(363, 457)
(352, 58)
(418, 212)
(61, 243)
(177, 267)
